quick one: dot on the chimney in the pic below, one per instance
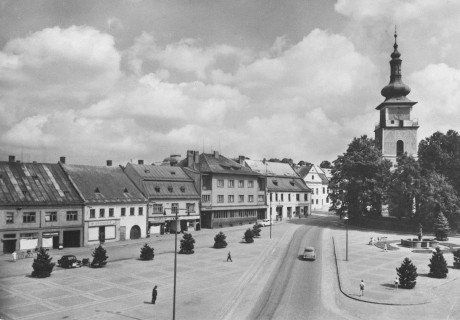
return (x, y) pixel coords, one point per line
(109, 163)
(11, 159)
(241, 159)
(62, 160)
(190, 158)
(196, 155)
(216, 154)
(140, 161)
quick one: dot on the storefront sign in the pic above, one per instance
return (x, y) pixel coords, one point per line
(157, 219)
(50, 234)
(102, 223)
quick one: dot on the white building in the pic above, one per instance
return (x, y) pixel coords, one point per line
(317, 180)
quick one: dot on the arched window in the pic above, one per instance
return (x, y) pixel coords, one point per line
(399, 147)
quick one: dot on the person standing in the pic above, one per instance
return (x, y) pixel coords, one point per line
(361, 288)
(396, 282)
(154, 294)
(15, 256)
(229, 257)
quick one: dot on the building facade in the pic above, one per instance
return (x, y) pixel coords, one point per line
(231, 193)
(39, 207)
(114, 209)
(287, 195)
(396, 132)
(316, 179)
(170, 192)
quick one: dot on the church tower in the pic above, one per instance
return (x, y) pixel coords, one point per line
(396, 133)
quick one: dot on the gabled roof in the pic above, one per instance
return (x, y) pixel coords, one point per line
(216, 163)
(151, 172)
(35, 184)
(304, 170)
(285, 184)
(169, 189)
(103, 184)
(276, 169)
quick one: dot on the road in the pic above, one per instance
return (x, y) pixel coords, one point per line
(294, 289)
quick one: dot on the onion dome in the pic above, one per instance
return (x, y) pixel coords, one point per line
(396, 88)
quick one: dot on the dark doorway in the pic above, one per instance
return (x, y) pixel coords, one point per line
(135, 232)
(71, 238)
(399, 147)
(183, 225)
(55, 242)
(9, 246)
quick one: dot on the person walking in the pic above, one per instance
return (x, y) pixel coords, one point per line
(15, 256)
(154, 294)
(229, 257)
(361, 288)
(396, 282)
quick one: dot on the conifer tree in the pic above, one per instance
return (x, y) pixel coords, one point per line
(99, 257)
(256, 230)
(219, 240)
(441, 227)
(438, 265)
(42, 264)
(407, 274)
(457, 259)
(186, 244)
(147, 252)
(249, 236)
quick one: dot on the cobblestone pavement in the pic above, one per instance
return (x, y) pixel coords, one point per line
(121, 290)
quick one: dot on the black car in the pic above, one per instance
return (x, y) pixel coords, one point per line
(69, 261)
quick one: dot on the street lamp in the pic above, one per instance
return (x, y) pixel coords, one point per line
(175, 266)
(346, 225)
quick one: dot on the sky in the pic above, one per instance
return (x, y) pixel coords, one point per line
(129, 79)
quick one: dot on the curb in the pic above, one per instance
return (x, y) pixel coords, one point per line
(363, 300)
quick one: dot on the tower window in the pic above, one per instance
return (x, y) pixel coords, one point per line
(399, 148)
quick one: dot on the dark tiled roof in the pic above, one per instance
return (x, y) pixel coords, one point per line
(323, 177)
(277, 184)
(151, 172)
(220, 164)
(35, 184)
(278, 169)
(304, 170)
(170, 189)
(103, 184)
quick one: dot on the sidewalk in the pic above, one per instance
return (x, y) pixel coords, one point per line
(377, 268)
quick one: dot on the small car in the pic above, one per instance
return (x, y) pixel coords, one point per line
(265, 222)
(69, 261)
(309, 253)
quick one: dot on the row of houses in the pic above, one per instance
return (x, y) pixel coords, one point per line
(65, 205)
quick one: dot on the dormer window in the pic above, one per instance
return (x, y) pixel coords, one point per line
(182, 189)
(173, 172)
(147, 171)
(157, 189)
(170, 189)
(97, 190)
(275, 182)
(292, 183)
(126, 190)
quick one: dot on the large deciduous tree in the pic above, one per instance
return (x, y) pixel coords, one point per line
(359, 179)
(404, 187)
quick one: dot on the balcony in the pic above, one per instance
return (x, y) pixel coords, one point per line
(398, 124)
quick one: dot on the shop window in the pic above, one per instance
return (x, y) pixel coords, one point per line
(28, 217)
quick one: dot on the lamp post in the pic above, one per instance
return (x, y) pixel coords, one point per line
(346, 225)
(175, 266)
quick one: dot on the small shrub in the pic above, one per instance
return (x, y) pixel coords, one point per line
(147, 252)
(407, 274)
(256, 230)
(99, 257)
(457, 259)
(187, 244)
(219, 240)
(42, 264)
(438, 265)
(249, 236)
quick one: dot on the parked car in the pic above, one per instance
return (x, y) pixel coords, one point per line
(265, 222)
(69, 261)
(309, 253)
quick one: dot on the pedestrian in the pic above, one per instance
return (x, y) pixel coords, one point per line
(15, 256)
(361, 288)
(396, 282)
(385, 248)
(154, 294)
(229, 257)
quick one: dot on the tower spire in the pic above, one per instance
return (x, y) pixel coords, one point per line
(396, 87)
